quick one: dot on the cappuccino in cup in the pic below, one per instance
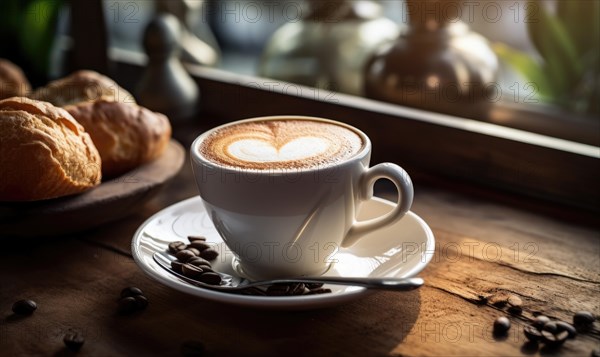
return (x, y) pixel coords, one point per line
(280, 144)
(284, 192)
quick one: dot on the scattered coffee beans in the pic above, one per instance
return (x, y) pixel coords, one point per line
(127, 305)
(196, 238)
(195, 251)
(200, 245)
(132, 300)
(583, 319)
(197, 261)
(540, 321)
(210, 278)
(498, 300)
(175, 247)
(209, 254)
(131, 291)
(552, 333)
(73, 340)
(501, 325)
(312, 286)
(185, 255)
(318, 291)
(24, 307)
(297, 289)
(515, 304)
(555, 339)
(563, 326)
(551, 327)
(142, 302)
(532, 333)
(193, 261)
(177, 266)
(191, 271)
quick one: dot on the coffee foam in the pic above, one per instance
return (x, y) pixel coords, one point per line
(281, 144)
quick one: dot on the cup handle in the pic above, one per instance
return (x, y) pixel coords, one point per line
(403, 183)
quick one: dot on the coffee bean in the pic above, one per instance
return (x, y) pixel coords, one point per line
(515, 310)
(318, 291)
(176, 265)
(185, 255)
(564, 326)
(127, 305)
(532, 333)
(197, 261)
(195, 251)
(514, 304)
(514, 300)
(210, 278)
(73, 340)
(175, 247)
(131, 291)
(499, 300)
(192, 349)
(24, 307)
(142, 302)
(312, 286)
(296, 289)
(206, 268)
(540, 321)
(209, 254)
(548, 336)
(550, 327)
(191, 271)
(583, 319)
(199, 245)
(555, 339)
(196, 238)
(278, 290)
(501, 325)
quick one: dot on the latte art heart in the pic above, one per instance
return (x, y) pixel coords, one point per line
(280, 144)
(254, 150)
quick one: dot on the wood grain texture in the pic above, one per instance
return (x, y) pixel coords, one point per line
(485, 248)
(76, 281)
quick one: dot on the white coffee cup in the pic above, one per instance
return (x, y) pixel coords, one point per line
(284, 223)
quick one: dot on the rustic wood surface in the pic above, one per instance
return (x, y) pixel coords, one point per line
(488, 246)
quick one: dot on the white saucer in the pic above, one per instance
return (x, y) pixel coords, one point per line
(401, 250)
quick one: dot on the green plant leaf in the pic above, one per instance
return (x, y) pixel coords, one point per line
(38, 31)
(581, 19)
(525, 65)
(556, 47)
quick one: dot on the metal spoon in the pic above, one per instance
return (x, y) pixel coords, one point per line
(234, 283)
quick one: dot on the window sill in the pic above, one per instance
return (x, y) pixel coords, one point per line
(540, 165)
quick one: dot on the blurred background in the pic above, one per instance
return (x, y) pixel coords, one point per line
(484, 60)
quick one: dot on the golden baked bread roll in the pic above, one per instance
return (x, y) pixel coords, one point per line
(13, 82)
(82, 86)
(44, 152)
(126, 135)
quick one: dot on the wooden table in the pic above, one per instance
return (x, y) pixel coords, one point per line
(488, 246)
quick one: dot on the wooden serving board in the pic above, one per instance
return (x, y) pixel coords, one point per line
(107, 202)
